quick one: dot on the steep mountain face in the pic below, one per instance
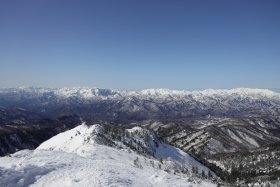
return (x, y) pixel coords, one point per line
(94, 103)
(243, 151)
(218, 135)
(97, 156)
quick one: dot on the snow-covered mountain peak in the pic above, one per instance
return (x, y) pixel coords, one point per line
(84, 140)
(73, 140)
(238, 91)
(84, 92)
(161, 92)
(89, 93)
(208, 92)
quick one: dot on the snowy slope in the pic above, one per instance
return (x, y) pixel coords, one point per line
(108, 167)
(162, 150)
(83, 139)
(78, 158)
(74, 140)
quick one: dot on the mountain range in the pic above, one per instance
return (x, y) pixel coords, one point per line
(205, 124)
(95, 103)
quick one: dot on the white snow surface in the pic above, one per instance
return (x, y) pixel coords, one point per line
(171, 153)
(74, 140)
(75, 158)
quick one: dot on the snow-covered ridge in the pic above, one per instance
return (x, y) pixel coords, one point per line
(78, 158)
(87, 93)
(84, 139)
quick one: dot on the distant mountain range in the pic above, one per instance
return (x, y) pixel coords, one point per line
(100, 104)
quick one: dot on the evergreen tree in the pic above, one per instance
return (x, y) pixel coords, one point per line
(202, 174)
(209, 174)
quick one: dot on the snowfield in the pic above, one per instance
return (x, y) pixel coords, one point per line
(76, 158)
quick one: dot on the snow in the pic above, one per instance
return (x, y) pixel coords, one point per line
(84, 92)
(171, 153)
(248, 139)
(108, 167)
(83, 139)
(162, 92)
(234, 136)
(211, 92)
(89, 93)
(75, 158)
(237, 91)
(73, 140)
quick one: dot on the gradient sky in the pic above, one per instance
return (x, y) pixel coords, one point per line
(137, 44)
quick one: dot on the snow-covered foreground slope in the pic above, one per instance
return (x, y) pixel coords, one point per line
(107, 167)
(82, 157)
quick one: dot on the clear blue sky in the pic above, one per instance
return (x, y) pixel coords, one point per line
(176, 44)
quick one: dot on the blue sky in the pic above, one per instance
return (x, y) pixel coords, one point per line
(135, 44)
